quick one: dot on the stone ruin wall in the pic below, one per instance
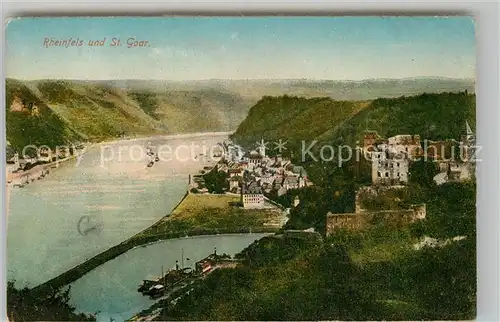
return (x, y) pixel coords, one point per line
(363, 218)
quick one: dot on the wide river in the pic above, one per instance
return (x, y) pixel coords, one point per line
(86, 206)
(111, 188)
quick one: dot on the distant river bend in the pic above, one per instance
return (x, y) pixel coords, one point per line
(82, 209)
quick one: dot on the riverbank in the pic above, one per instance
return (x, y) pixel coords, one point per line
(165, 137)
(195, 215)
(36, 171)
(206, 214)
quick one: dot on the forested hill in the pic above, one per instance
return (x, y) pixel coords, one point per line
(96, 110)
(433, 116)
(79, 110)
(294, 118)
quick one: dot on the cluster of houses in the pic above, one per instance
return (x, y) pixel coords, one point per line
(390, 158)
(254, 174)
(39, 156)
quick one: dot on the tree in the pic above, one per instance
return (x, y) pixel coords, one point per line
(23, 305)
(216, 181)
(422, 172)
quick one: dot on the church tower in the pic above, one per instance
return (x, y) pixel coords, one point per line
(262, 147)
(469, 143)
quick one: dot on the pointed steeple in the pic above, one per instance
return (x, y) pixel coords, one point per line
(469, 131)
(262, 147)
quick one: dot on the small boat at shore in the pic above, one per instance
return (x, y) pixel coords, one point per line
(156, 291)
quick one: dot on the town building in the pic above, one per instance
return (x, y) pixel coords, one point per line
(234, 184)
(17, 163)
(390, 171)
(390, 158)
(468, 144)
(460, 167)
(251, 195)
(235, 172)
(44, 155)
(404, 143)
(254, 158)
(293, 182)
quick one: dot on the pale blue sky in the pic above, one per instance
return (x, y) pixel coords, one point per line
(188, 48)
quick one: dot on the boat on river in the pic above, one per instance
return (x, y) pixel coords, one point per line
(153, 157)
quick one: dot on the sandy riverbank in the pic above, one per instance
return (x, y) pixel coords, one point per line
(36, 171)
(166, 137)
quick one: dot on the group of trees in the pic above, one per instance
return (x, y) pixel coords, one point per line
(340, 279)
(286, 278)
(216, 181)
(24, 305)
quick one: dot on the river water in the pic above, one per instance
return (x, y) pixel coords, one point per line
(88, 205)
(110, 290)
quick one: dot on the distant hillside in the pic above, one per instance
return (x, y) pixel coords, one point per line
(351, 90)
(24, 129)
(254, 89)
(293, 119)
(193, 111)
(96, 110)
(432, 116)
(75, 110)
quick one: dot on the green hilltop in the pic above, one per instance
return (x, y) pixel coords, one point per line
(95, 111)
(23, 129)
(434, 116)
(380, 273)
(75, 110)
(294, 118)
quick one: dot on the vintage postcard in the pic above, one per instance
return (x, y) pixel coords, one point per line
(241, 168)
